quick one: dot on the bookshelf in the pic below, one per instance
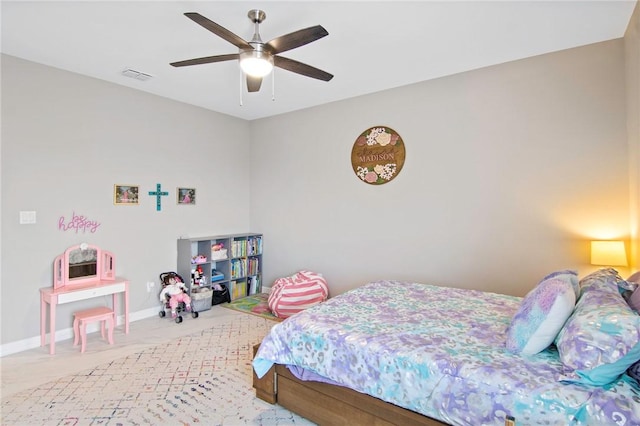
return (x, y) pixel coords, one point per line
(232, 260)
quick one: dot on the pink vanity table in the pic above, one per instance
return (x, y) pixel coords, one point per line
(81, 272)
(53, 298)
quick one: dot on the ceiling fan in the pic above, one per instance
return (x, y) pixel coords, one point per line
(257, 58)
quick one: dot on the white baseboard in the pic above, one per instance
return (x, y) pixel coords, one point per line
(67, 333)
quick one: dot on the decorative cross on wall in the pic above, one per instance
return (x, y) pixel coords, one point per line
(158, 193)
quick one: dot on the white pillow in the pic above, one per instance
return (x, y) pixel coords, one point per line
(541, 315)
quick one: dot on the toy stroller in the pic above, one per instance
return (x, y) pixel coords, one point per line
(174, 297)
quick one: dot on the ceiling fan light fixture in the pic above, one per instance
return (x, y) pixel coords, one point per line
(257, 58)
(256, 64)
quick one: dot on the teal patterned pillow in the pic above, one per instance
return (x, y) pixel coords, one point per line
(601, 339)
(542, 313)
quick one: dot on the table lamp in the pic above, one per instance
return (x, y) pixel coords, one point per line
(608, 253)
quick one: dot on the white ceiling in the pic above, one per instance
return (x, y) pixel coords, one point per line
(371, 46)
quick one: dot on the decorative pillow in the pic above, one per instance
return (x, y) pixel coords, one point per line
(542, 314)
(567, 274)
(300, 291)
(601, 339)
(635, 278)
(634, 300)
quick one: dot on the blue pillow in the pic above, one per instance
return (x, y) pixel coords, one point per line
(541, 314)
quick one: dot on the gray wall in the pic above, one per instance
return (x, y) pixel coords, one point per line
(66, 140)
(510, 170)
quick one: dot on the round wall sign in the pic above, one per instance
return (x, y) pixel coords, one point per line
(378, 155)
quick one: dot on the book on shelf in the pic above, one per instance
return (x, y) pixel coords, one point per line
(253, 266)
(238, 289)
(238, 268)
(239, 248)
(249, 247)
(254, 284)
(254, 246)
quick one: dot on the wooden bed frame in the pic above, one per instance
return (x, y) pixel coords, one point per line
(327, 404)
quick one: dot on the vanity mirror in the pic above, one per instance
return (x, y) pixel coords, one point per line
(83, 264)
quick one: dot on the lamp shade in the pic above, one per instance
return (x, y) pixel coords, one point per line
(256, 63)
(608, 253)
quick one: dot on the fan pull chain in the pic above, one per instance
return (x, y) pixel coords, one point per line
(240, 85)
(273, 84)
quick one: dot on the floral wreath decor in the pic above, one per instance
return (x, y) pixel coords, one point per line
(378, 155)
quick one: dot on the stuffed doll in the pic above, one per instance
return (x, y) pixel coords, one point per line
(174, 289)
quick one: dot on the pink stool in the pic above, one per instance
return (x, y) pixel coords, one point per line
(82, 318)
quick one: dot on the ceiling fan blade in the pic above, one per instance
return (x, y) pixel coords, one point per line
(300, 68)
(218, 30)
(253, 83)
(206, 60)
(297, 39)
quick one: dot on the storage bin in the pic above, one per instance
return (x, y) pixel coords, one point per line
(219, 254)
(201, 301)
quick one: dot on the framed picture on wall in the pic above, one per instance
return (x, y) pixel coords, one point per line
(186, 196)
(125, 195)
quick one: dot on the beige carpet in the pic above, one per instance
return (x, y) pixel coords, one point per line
(203, 378)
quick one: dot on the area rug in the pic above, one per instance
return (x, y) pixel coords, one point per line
(204, 378)
(256, 304)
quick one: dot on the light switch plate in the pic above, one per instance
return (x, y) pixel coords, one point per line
(27, 217)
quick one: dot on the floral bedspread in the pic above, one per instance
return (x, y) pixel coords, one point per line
(440, 352)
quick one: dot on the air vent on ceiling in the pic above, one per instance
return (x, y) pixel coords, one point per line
(136, 74)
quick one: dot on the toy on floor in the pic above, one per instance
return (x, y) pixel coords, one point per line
(174, 296)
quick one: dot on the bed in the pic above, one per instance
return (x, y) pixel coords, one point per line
(394, 352)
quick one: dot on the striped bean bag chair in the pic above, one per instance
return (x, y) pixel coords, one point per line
(296, 293)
